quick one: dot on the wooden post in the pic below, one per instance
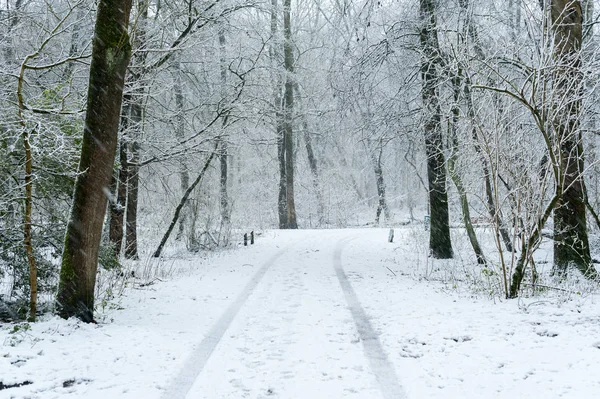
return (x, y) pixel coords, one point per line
(245, 239)
(391, 236)
(252, 238)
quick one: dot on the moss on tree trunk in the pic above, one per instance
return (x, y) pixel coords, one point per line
(111, 52)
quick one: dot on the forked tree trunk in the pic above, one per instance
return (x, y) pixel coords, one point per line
(111, 52)
(571, 246)
(440, 244)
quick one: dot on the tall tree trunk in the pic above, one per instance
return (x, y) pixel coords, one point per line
(27, 232)
(274, 53)
(25, 136)
(111, 51)
(440, 244)
(137, 111)
(223, 145)
(131, 249)
(117, 206)
(288, 137)
(184, 174)
(571, 246)
(282, 203)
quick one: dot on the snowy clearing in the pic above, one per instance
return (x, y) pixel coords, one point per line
(310, 314)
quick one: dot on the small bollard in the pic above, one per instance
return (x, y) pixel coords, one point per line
(245, 239)
(252, 237)
(391, 236)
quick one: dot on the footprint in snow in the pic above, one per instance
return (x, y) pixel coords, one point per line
(546, 333)
(459, 338)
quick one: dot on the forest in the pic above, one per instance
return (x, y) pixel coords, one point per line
(137, 128)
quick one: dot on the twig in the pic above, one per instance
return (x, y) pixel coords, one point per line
(391, 271)
(550, 288)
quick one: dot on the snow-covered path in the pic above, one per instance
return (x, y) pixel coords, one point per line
(311, 314)
(295, 331)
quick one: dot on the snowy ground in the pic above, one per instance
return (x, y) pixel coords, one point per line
(311, 314)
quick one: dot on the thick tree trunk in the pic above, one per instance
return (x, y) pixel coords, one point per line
(111, 51)
(571, 246)
(288, 137)
(440, 244)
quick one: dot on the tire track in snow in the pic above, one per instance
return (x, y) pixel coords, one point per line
(385, 373)
(183, 382)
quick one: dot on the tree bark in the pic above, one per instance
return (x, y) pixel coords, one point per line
(117, 206)
(440, 244)
(224, 148)
(111, 52)
(133, 173)
(274, 54)
(571, 246)
(137, 111)
(288, 137)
